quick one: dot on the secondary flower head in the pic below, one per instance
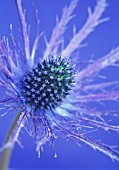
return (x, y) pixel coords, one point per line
(50, 91)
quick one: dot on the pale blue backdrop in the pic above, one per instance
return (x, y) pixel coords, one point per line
(100, 42)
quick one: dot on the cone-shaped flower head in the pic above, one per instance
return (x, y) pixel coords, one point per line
(48, 83)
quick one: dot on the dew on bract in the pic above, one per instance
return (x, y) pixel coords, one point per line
(48, 83)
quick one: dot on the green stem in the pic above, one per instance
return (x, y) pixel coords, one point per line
(5, 157)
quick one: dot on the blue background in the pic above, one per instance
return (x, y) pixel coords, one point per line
(100, 42)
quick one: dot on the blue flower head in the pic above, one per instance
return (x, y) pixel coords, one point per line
(51, 92)
(48, 83)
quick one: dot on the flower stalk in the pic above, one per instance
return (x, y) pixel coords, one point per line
(7, 148)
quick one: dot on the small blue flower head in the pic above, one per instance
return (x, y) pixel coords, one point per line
(50, 92)
(48, 83)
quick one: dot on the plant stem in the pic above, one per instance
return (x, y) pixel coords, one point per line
(5, 157)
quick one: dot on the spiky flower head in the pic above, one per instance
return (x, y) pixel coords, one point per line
(51, 92)
(48, 83)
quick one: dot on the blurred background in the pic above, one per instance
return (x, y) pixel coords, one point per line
(100, 42)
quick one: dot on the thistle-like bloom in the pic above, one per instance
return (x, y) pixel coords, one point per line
(50, 92)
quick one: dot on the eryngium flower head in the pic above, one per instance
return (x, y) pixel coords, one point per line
(48, 83)
(50, 91)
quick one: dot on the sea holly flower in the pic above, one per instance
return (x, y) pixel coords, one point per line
(51, 92)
